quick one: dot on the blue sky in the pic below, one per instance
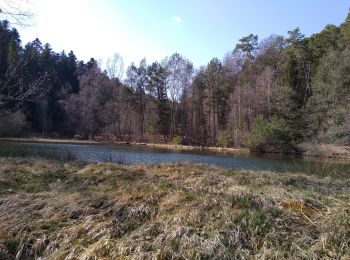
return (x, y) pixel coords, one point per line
(198, 29)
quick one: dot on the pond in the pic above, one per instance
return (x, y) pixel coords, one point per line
(128, 154)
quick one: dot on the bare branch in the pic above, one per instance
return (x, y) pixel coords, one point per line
(19, 89)
(115, 66)
(17, 12)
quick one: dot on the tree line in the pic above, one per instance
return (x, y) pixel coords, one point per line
(267, 94)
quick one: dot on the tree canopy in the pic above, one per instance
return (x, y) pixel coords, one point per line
(274, 92)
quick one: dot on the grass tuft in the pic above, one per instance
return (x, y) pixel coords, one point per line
(72, 210)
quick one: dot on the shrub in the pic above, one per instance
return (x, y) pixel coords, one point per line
(176, 140)
(268, 136)
(223, 139)
(12, 123)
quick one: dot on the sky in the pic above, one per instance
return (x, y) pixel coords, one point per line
(198, 29)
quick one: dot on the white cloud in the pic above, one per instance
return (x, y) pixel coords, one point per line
(177, 19)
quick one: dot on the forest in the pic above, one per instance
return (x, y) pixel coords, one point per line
(265, 94)
(164, 159)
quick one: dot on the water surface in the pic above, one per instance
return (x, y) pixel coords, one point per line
(129, 154)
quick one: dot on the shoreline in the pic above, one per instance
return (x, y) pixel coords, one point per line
(306, 150)
(223, 150)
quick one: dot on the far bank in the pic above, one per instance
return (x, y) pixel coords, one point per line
(304, 149)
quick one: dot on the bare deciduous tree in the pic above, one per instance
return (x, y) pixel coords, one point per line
(178, 79)
(88, 110)
(115, 71)
(115, 66)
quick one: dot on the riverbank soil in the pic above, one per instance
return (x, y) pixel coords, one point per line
(77, 210)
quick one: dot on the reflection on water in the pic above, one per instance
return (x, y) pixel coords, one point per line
(146, 155)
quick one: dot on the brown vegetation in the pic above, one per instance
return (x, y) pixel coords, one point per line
(172, 211)
(325, 150)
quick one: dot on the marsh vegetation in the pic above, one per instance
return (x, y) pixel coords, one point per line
(67, 210)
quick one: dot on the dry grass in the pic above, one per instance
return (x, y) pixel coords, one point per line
(75, 210)
(47, 140)
(325, 150)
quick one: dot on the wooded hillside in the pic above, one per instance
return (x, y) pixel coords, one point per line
(267, 94)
